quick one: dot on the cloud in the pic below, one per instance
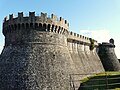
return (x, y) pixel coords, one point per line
(99, 35)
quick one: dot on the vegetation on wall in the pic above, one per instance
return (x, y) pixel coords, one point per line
(92, 45)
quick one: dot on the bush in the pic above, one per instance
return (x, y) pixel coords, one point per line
(92, 45)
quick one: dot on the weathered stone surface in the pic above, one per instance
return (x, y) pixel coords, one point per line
(40, 56)
(37, 65)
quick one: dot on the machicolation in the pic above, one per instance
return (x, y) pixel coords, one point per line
(41, 23)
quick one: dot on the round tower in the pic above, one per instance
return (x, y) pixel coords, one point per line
(108, 57)
(35, 55)
(111, 41)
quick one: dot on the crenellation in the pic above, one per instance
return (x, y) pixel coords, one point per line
(31, 17)
(42, 23)
(80, 36)
(62, 22)
(77, 35)
(71, 33)
(61, 19)
(5, 19)
(53, 17)
(43, 19)
(31, 14)
(83, 37)
(43, 15)
(20, 15)
(11, 16)
(65, 21)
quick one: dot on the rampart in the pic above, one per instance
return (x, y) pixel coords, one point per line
(40, 53)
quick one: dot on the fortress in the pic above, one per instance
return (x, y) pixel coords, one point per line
(40, 53)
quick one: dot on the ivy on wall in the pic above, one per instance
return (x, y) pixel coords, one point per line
(92, 45)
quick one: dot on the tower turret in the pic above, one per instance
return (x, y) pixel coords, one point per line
(108, 57)
(111, 41)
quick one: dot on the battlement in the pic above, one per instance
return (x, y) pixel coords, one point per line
(80, 38)
(25, 24)
(47, 23)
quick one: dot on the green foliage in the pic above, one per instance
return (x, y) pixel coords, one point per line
(101, 81)
(92, 45)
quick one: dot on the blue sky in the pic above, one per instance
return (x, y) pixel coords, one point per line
(89, 17)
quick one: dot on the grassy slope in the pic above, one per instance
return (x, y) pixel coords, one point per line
(98, 81)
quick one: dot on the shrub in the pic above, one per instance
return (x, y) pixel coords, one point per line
(92, 45)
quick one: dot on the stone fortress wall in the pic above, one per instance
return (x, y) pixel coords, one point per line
(41, 53)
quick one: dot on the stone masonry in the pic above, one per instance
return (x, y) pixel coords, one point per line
(40, 53)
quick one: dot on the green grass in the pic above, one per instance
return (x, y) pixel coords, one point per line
(99, 81)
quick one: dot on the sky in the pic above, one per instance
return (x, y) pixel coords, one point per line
(98, 19)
